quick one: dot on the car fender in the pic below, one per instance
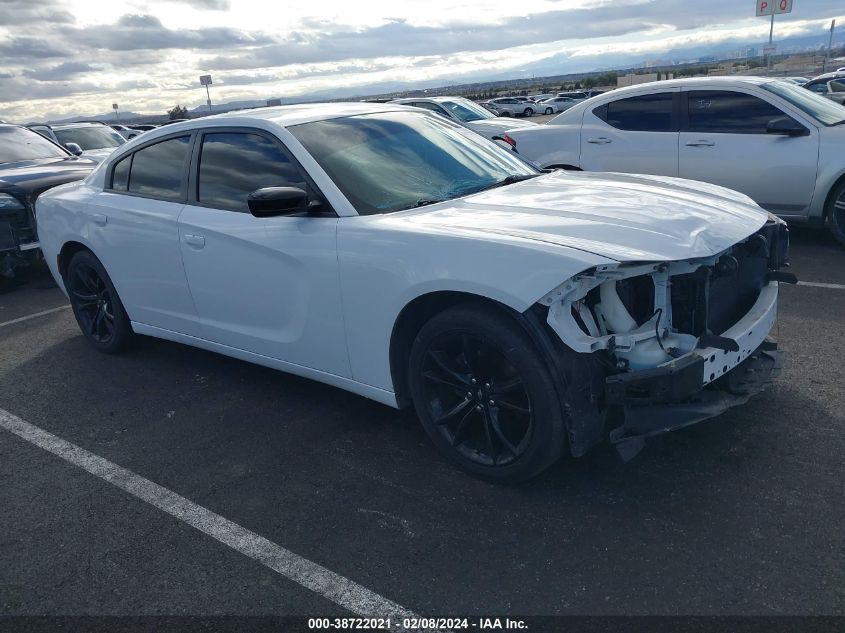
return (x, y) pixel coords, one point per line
(384, 266)
(61, 218)
(549, 145)
(831, 170)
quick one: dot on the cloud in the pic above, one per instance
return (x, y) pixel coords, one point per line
(146, 32)
(62, 72)
(25, 48)
(21, 12)
(212, 5)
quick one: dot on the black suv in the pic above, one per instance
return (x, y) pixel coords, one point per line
(29, 164)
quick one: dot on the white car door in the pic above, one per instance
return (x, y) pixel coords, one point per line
(724, 142)
(133, 230)
(265, 285)
(636, 134)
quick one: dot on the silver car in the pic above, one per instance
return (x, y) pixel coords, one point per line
(467, 113)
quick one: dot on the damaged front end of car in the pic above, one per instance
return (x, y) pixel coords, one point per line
(18, 240)
(678, 342)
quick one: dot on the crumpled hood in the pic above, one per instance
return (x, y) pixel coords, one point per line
(624, 217)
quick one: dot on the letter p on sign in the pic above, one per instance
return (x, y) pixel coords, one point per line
(768, 7)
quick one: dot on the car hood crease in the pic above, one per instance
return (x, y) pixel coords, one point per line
(620, 216)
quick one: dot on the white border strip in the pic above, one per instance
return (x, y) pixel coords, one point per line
(817, 284)
(340, 590)
(34, 316)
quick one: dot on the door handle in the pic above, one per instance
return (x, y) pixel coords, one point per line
(194, 241)
(601, 140)
(99, 219)
(701, 143)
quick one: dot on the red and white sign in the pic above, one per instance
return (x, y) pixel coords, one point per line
(769, 7)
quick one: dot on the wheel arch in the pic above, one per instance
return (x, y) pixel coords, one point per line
(413, 316)
(829, 196)
(66, 253)
(581, 433)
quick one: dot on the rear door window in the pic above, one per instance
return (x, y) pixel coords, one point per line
(644, 113)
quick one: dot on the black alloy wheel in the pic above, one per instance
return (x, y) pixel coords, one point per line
(96, 305)
(484, 394)
(477, 399)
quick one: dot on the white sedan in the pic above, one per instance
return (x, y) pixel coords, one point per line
(555, 105)
(467, 113)
(774, 141)
(396, 255)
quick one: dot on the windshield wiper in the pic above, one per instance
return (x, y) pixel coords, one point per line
(426, 201)
(508, 180)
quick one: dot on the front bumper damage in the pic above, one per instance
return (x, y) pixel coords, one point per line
(666, 367)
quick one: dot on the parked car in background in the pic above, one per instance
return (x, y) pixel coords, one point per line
(779, 144)
(89, 140)
(467, 113)
(126, 132)
(29, 165)
(576, 96)
(555, 105)
(821, 85)
(387, 252)
(510, 107)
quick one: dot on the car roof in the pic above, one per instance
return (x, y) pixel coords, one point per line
(283, 116)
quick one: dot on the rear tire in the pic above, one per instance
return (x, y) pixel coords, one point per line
(550, 111)
(528, 112)
(836, 212)
(485, 396)
(96, 304)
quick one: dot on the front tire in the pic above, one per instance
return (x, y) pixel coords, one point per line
(484, 395)
(528, 112)
(96, 305)
(836, 212)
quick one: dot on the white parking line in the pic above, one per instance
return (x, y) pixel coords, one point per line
(340, 590)
(817, 284)
(33, 316)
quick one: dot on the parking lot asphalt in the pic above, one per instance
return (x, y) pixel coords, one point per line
(741, 515)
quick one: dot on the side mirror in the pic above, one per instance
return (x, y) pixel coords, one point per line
(272, 201)
(786, 126)
(73, 148)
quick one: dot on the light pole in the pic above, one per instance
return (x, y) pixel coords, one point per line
(205, 80)
(116, 113)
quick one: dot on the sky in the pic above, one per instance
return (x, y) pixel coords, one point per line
(61, 58)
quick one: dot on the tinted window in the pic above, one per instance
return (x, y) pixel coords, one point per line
(729, 112)
(233, 165)
(157, 170)
(120, 175)
(647, 113)
(17, 144)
